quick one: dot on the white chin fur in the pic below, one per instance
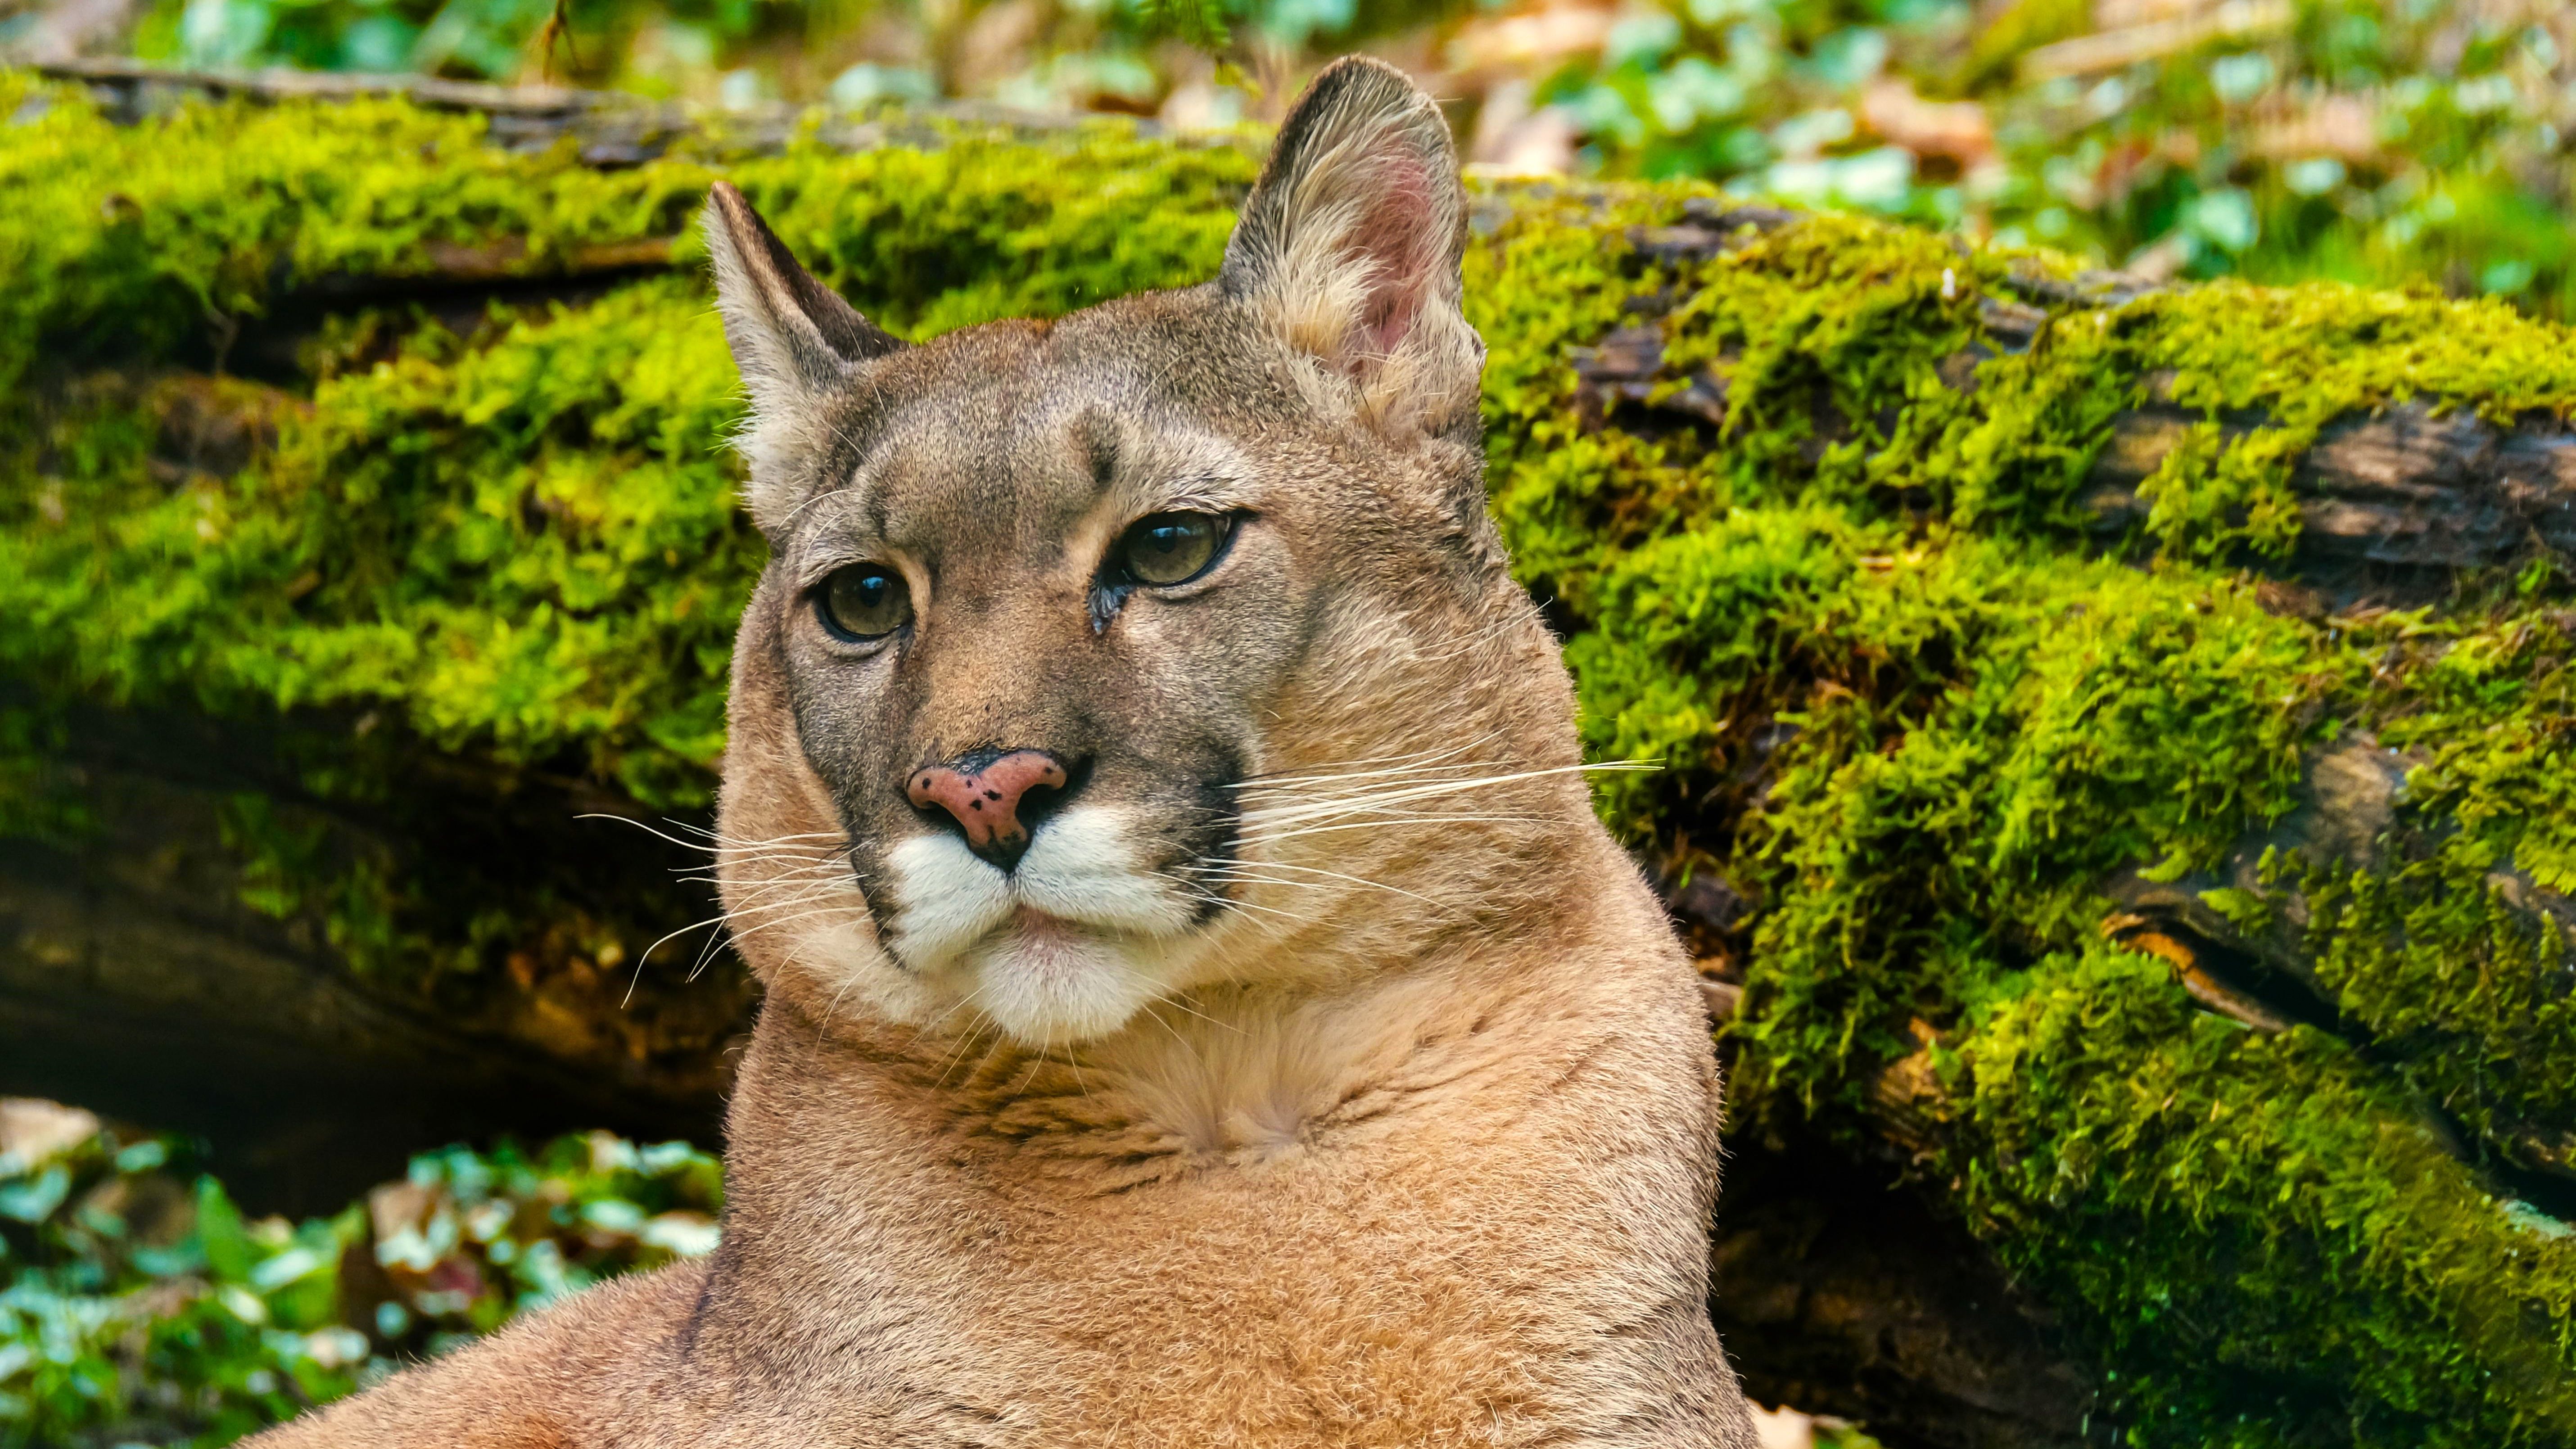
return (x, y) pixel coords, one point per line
(1056, 982)
(1069, 945)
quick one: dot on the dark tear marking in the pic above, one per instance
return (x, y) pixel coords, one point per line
(1106, 601)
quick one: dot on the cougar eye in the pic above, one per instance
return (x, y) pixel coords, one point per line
(1162, 549)
(863, 602)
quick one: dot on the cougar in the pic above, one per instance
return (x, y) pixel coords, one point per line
(1201, 1006)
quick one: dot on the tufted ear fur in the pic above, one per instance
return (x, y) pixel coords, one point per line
(1349, 246)
(793, 339)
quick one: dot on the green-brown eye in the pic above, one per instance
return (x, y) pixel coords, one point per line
(1163, 549)
(862, 603)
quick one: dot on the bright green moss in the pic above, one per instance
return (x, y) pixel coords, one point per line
(1909, 700)
(2259, 1229)
(1980, 734)
(2433, 955)
(2301, 357)
(2490, 707)
(202, 215)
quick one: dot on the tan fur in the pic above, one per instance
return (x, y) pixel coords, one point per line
(1367, 1098)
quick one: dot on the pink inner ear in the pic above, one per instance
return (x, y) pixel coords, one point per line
(1395, 237)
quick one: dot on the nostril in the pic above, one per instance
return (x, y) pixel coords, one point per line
(995, 798)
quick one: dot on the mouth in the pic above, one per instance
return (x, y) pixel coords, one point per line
(1038, 928)
(1045, 979)
(1070, 943)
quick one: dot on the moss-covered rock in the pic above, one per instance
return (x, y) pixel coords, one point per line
(1995, 628)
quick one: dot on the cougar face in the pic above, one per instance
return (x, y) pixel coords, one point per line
(1064, 622)
(1028, 645)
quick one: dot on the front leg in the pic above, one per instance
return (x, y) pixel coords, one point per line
(562, 1378)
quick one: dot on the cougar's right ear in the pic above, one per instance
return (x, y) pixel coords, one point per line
(793, 338)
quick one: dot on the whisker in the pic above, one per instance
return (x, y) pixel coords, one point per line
(646, 954)
(1375, 812)
(818, 870)
(1173, 1000)
(1361, 776)
(1274, 837)
(714, 834)
(640, 825)
(721, 918)
(740, 936)
(974, 1033)
(1239, 869)
(1369, 768)
(719, 838)
(927, 1027)
(1170, 1030)
(1231, 904)
(1403, 793)
(745, 854)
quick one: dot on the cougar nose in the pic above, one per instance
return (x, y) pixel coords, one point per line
(985, 793)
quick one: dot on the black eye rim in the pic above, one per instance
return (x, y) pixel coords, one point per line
(840, 633)
(1116, 576)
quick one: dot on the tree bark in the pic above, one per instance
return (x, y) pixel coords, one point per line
(136, 981)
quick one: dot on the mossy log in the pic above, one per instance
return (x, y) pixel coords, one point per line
(2116, 740)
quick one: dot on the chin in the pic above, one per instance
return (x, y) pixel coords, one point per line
(1068, 947)
(1048, 981)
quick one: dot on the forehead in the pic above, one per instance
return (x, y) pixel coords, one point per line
(1023, 423)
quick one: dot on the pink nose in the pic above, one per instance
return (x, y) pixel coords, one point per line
(986, 801)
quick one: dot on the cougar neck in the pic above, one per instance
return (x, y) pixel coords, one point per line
(1215, 1080)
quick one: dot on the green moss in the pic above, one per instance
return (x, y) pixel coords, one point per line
(2433, 957)
(2489, 708)
(2216, 1199)
(1910, 701)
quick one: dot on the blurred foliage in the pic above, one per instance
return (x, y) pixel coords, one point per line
(2364, 140)
(137, 1303)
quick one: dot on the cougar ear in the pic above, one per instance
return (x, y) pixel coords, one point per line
(793, 339)
(1349, 246)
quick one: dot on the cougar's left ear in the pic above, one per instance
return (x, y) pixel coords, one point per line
(794, 340)
(1349, 246)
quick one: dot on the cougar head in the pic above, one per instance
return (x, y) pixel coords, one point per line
(1161, 646)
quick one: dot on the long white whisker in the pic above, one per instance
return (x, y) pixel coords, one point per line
(719, 835)
(745, 935)
(1363, 771)
(817, 870)
(1403, 793)
(1172, 1000)
(1243, 871)
(647, 829)
(1274, 837)
(720, 840)
(1230, 904)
